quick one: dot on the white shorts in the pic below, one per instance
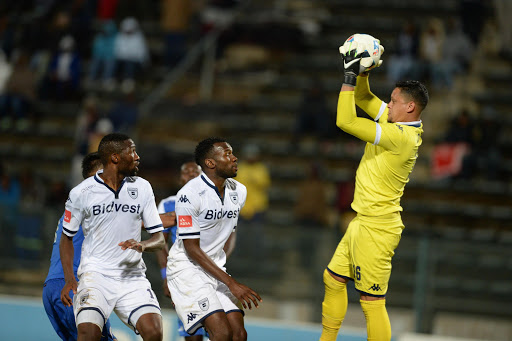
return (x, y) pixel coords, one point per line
(98, 295)
(197, 295)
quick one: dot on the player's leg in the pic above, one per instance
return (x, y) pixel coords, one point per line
(236, 321)
(106, 334)
(150, 327)
(338, 272)
(60, 316)
(218, 327)
(234, 312)
(88, 331)
(91, 305)
(138, 307)
(374, 245)
(197, 336)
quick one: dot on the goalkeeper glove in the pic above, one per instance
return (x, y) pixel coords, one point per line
(351, 63)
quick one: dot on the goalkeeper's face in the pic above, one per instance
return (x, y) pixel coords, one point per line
(400, 107)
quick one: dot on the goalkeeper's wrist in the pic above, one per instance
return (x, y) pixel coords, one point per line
(163, 273)
(350, 79)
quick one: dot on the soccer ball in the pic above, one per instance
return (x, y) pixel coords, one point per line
(369, 46)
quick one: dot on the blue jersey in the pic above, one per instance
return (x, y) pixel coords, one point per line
(168, 205)
(61, 317)
(56, 270)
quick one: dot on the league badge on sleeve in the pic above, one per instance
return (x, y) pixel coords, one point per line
(234, 197)
(133, 192)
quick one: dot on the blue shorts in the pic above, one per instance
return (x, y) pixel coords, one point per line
(61, 317)
(182, 332)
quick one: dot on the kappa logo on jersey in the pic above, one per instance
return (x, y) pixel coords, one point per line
(214, 214)
(67, 216)
(185, 221)
(204, 304)
(183, 198)
(133, 192)
(191, 317)
(113, 207)
(234, 197)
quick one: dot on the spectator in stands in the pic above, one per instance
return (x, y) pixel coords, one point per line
(62, 81)
(124, 113)
(311, 213)
(17, 104)
(131, 52)
(175, 18)
(314, 117)
(402, 63)
(7, 33)
(485, 157)
(102, 57)
(255, 175)
(5, 71)
(461, 129)
(106, 9)
(431, 45)
(457, 53)
(10, 192)
(503, 14)
(472, 14)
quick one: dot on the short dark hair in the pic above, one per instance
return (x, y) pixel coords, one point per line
(416, 90)
(90, 162)
(204, 148)
(110, 144)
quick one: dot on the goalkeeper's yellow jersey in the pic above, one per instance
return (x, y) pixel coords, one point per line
(390, 153)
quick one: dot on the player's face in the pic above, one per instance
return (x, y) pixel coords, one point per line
(398, 106)
(226, 163)
(189, 171)
(130, 160)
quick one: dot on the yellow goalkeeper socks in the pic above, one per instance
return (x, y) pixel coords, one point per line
(377, 320)
(334, 307)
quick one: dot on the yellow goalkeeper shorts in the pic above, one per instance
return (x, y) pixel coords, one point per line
(365, 251)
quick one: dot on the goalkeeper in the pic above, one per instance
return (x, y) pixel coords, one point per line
(392, 141)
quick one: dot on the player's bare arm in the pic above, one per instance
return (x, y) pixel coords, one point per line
(161, 257)
(230, 244)
(245, 294)
(168, 219)
(156, 242)
(66, 255)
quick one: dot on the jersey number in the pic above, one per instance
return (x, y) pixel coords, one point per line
(357, 272)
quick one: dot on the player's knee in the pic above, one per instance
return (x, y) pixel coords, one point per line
(150, 327)
(240, 335)
(152, 335)
(88, 331)
(221, 334)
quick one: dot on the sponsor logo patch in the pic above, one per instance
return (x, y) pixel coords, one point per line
(184, 221)
(67, 216)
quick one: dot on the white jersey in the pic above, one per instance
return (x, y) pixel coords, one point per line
(109, 217)
(202, 213)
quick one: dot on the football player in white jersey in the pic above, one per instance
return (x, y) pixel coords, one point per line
(207, 211)
(111, 206)
(188, 171)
